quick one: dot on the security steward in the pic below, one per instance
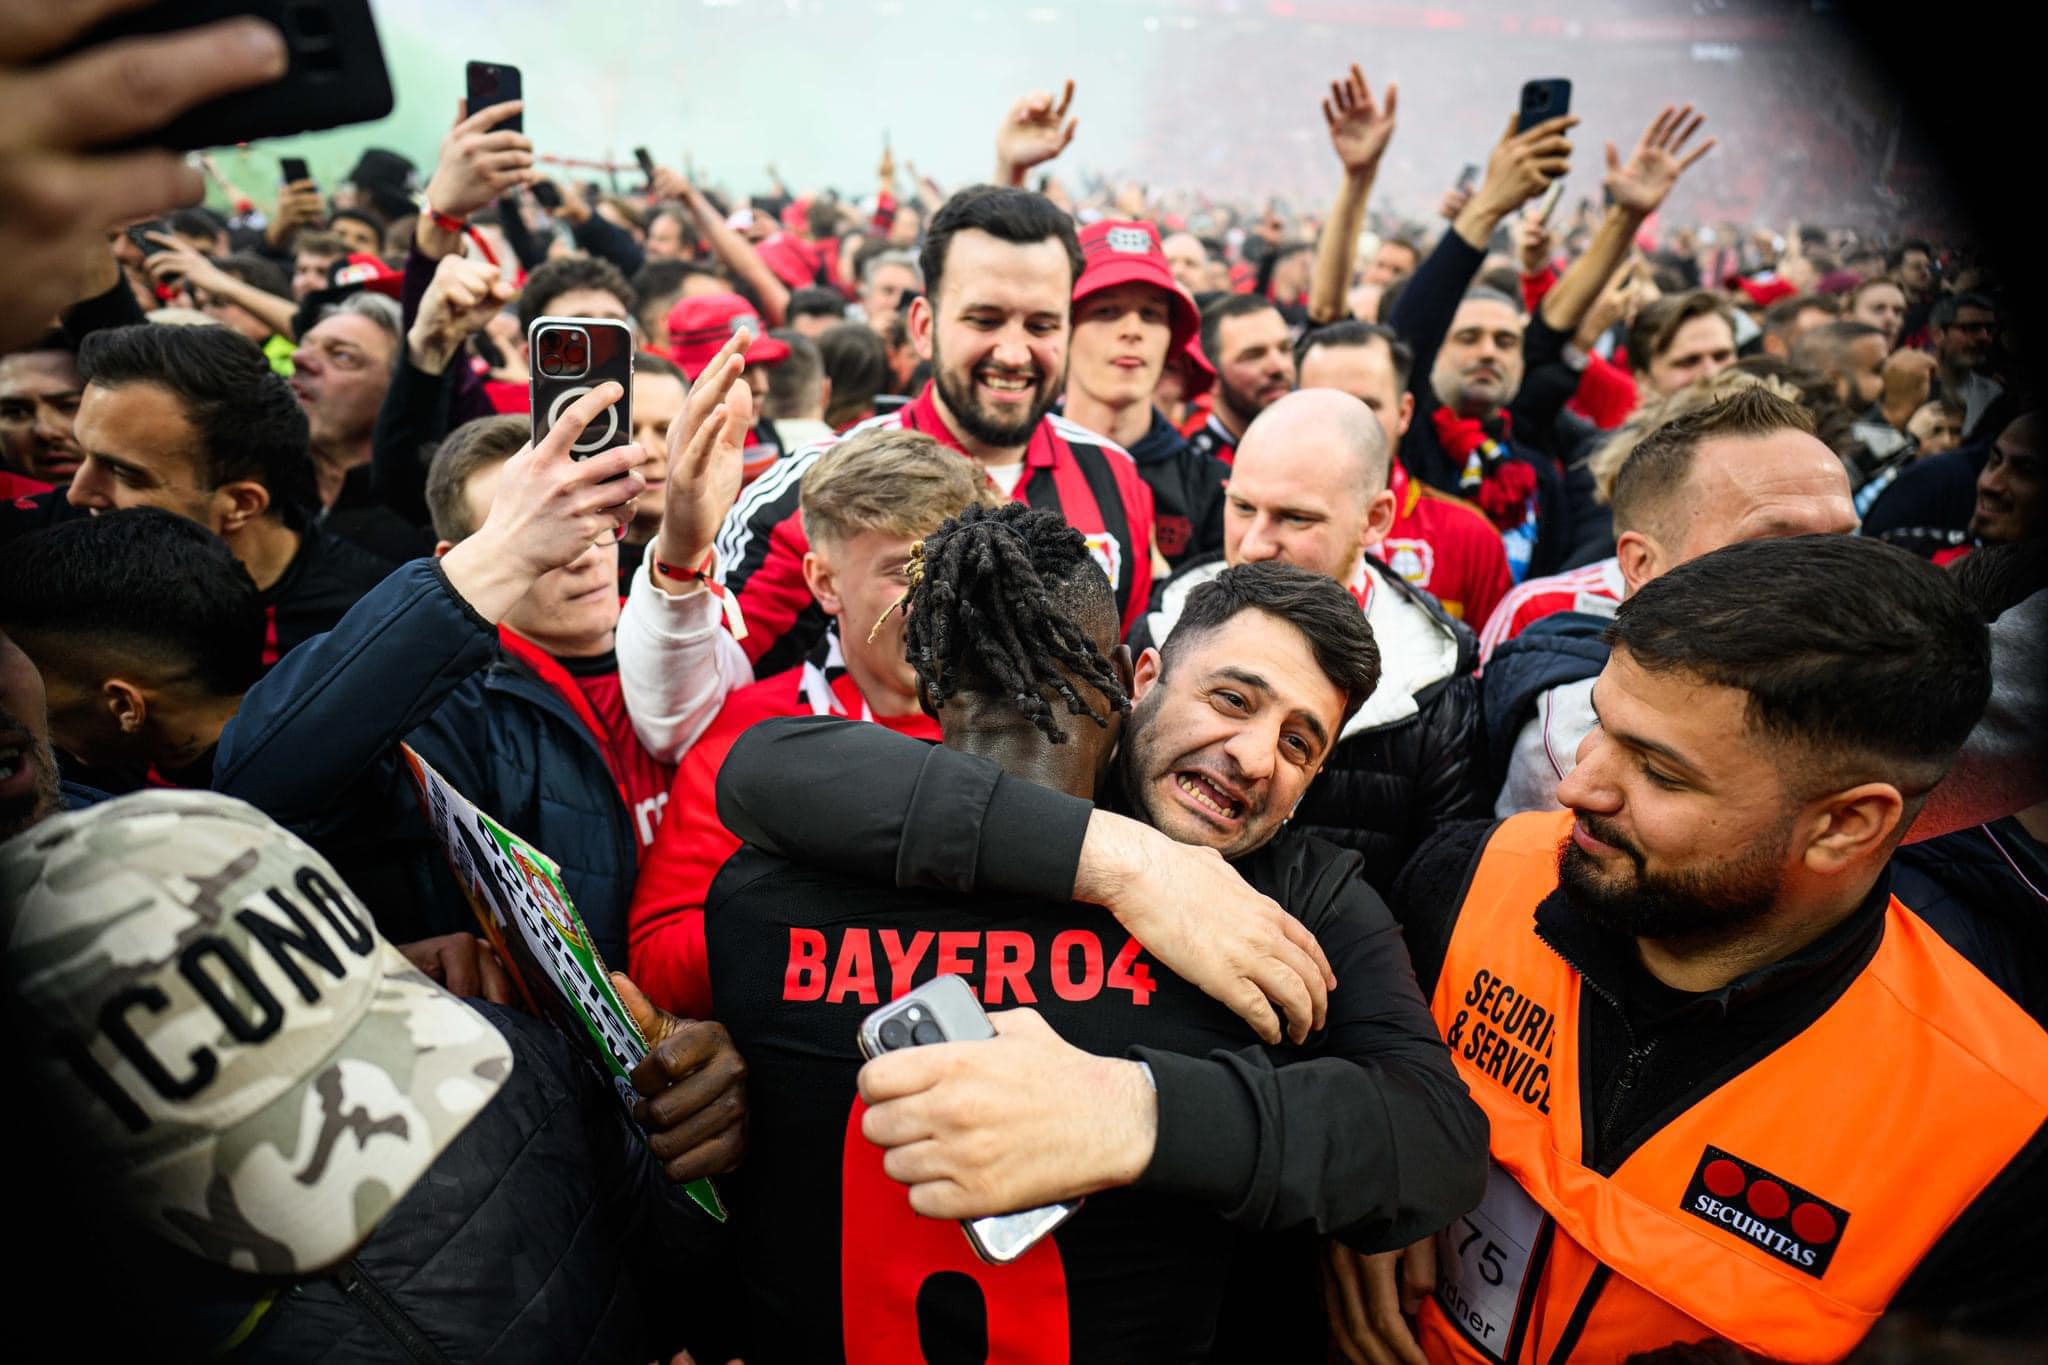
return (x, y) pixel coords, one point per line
(1736, 1089)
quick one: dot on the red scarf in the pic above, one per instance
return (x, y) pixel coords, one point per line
(1479, 447)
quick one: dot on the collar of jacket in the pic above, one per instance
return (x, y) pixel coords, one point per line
(1791, 986)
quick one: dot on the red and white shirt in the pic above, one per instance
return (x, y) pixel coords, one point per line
(1595, 590)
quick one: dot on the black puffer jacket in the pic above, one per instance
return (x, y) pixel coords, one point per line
(544, 1232)
(1412, 757)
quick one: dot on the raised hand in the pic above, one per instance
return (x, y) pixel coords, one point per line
(58, 196)
(1359, 127)
(1034, 131)
(477, 165)
(549, 509)
(462, 298)
(706, 456)
(1532, 244)
(1654, 167)
(1523, 164)
(299, 206)
(180, 263)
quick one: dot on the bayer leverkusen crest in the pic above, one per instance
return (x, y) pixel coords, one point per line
(1134, 240)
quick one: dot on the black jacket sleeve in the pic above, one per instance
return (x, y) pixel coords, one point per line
(1971, 1280)
(413, 417)
(608, 241)
(926, 816)
(1367, 1133)
(1428, 302)
(530, 251)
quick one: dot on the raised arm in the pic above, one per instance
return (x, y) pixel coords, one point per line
(1035, 131)
(730, 247)
(677, 661)
(477, 163)
(1638, 189)
(1359, 132)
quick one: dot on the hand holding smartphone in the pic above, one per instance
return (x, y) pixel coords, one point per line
(568, 357)
(1547, 98)
(944, 1010)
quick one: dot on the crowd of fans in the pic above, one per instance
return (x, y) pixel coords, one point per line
(1488, 765)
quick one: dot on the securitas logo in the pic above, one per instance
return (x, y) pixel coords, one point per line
(1796, 1227)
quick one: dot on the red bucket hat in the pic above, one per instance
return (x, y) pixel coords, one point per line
(1114, 253)
(701, 323)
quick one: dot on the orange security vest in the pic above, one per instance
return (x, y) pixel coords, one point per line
(1781, 1211)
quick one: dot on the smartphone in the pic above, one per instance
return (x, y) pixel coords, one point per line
(641, 155)
(944, 1010)
(293, 169)
(567, 358)
(335, 73)
(1469, 176)
(550, 197)
(1547, 205)
(493, 83)
(1548, 98)
(138, 235)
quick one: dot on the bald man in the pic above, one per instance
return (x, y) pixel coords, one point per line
(1745, 468)
(1309, 488)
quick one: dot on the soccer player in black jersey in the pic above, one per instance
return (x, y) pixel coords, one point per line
(1111, 1077)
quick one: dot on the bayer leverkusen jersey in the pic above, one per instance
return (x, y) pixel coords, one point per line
(835, 1263)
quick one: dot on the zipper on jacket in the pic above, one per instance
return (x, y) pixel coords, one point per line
(1575, 1326)
(1532, 1280)
(393, 1319)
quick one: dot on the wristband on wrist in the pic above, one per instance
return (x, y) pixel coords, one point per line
(446, 222)
(702, 573)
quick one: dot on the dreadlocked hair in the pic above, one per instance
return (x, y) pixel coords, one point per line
(994, 596)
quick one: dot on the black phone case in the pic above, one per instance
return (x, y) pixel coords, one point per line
(493, 83)
(1544, 99)
(337, 74)
(611, 357)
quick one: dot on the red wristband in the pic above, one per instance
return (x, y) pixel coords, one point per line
(702, 573)
(445, 222)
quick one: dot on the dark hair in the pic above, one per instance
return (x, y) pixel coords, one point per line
(1662, 460)
(1994, 579)
(1780, 316)
(552, 279)
(1849, 647)
(258, 272)
(140, 581)
(249, 423)
(1001, 600)
(1228, 307)
(857, 363)
(1899, 253)
(198, 222)
(661, 277)
(1009, 215)
(813, 301)
(1320, 607)
(1948, 306)
(1351, 332)
(1657, 325)
(793, 380)
(371, 220)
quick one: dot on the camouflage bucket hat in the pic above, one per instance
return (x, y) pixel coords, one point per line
(216, 1017)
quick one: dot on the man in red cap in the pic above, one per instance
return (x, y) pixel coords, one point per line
(1129, 317)
(1000, 265)
(701, 323)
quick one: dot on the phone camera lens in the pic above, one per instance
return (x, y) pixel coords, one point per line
(926, 1033)
(895, 1034)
